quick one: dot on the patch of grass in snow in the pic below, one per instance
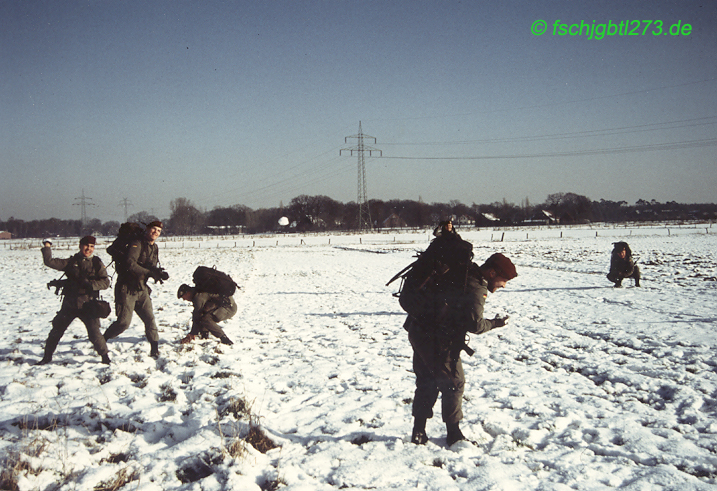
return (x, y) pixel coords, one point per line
(16, 464)
(199, 467)
(123, 477)
(272, 484)
(140, 380)
(168, 394)
(238, 407)
(258, 439)
(46, 424)
(225, 374)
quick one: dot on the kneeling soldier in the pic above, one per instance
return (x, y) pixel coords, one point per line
(86, 276)
(209, 308)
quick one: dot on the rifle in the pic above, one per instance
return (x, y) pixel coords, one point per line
(58, 285)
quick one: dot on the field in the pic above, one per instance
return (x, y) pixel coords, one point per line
(588, 387)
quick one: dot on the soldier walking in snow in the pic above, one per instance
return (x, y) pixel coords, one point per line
(132, 294)
(444, 293)
(86, 276)
(622, 265)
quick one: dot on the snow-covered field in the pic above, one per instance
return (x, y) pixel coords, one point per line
(587, 388)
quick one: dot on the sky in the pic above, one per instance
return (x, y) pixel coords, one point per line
(251, 103)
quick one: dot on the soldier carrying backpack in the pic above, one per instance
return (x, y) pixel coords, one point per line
(136, 261)
(444, 293)
(213, 302)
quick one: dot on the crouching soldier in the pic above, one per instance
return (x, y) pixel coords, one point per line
(86, 276)
(622, 265)
(209, 309)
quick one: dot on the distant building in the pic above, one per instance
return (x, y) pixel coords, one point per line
(464, 220)
(5, 235)
(487, 220)
(393, 221)
(542, 217)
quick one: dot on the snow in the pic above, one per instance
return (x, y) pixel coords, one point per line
(588, 387)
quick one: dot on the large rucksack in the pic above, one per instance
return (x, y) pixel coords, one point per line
(211, 280)
(128, 232)
(437, 273)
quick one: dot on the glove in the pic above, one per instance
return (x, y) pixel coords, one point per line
(499, 321)
(158, 275)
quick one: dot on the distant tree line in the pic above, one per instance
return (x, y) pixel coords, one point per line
(321, 213)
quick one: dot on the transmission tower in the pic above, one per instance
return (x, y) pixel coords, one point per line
(364, 213)
(83, 204)
(125, 202)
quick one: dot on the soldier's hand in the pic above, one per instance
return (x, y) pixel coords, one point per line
(500, 321)
(163, 275)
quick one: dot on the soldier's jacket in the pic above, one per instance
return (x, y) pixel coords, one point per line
(621, 267)
(141, 256)
(86, 275)
(218, 306)
(461, 311)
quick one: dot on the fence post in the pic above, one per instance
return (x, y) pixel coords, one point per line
(502, 237)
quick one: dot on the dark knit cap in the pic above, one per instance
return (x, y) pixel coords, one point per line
(88, 239)
(183, 288)
(155, 223)
(502, 266)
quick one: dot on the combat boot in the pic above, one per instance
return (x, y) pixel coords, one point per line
(45, 360)
(225, 340)
(106, 359)
(618, 283)
(418, 435)
(47, 357)
(454, 434)
(154, 349)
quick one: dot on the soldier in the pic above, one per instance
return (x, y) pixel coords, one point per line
(132, 294)
(445, 228)
(86, 276)
(622, 265)
(209, 308)
(438, 341)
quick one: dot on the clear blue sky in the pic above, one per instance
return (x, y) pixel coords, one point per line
(249, 102)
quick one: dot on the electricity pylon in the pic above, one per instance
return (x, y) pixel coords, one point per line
(364, 213)
(125, 202)
(84, 203)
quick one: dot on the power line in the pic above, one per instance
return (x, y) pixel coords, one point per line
(709, 142)
(578, 134)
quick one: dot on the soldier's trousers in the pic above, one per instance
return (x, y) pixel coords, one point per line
(128, 302)
(62, 321)
(208, 321)
(438, 369)
(618, 277)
